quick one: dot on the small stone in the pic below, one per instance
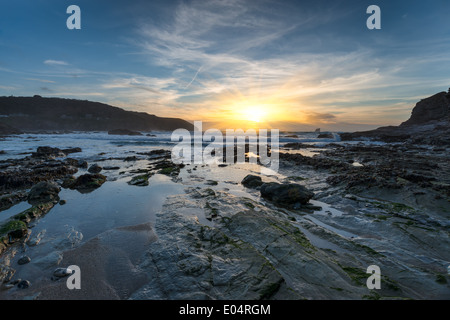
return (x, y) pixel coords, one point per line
(23, 284)
(62, 202)
(211, 183)
(62, 272)
(24, 260)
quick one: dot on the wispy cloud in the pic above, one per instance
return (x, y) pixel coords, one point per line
(7, 87)
(40, 80)
(55, 63)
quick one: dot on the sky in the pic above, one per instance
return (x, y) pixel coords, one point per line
(291, 65)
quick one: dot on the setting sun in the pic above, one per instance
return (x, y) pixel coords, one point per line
(253, 113)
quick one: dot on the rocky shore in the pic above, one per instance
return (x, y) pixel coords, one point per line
(308, 231)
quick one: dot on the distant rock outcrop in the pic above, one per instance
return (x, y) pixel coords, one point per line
(31, 114)
(429, 124)
(124, 132)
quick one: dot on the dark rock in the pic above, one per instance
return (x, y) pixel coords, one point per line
(85, 183)
(62, 202)
(23, 284)
(82, 164)
(24, 260)
(252, 181)
(71, 150)
(211, 183)
(111, 168)
(436, 107)
(71, 162)
(62, 272)
(48, 152)
(298, 145)
(286, 194)
(158, 152)
(141, 180)
(68, 182)
(9, 200)
(17, 234)
(130, 158)
(95, 168)
(124, 132)
(44, 192)
(325, 136)
(168, 168)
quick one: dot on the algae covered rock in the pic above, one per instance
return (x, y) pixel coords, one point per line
(85, 183)
(141, 180)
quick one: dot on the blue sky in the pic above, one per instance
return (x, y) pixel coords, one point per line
(290, 64)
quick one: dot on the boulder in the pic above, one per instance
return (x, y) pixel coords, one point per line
(251, 181)
(287, 194)
(85, 183)
(44, 192)
(95, 168)
(48, 152)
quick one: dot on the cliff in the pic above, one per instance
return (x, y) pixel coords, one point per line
(429, 123)
(31, 114)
